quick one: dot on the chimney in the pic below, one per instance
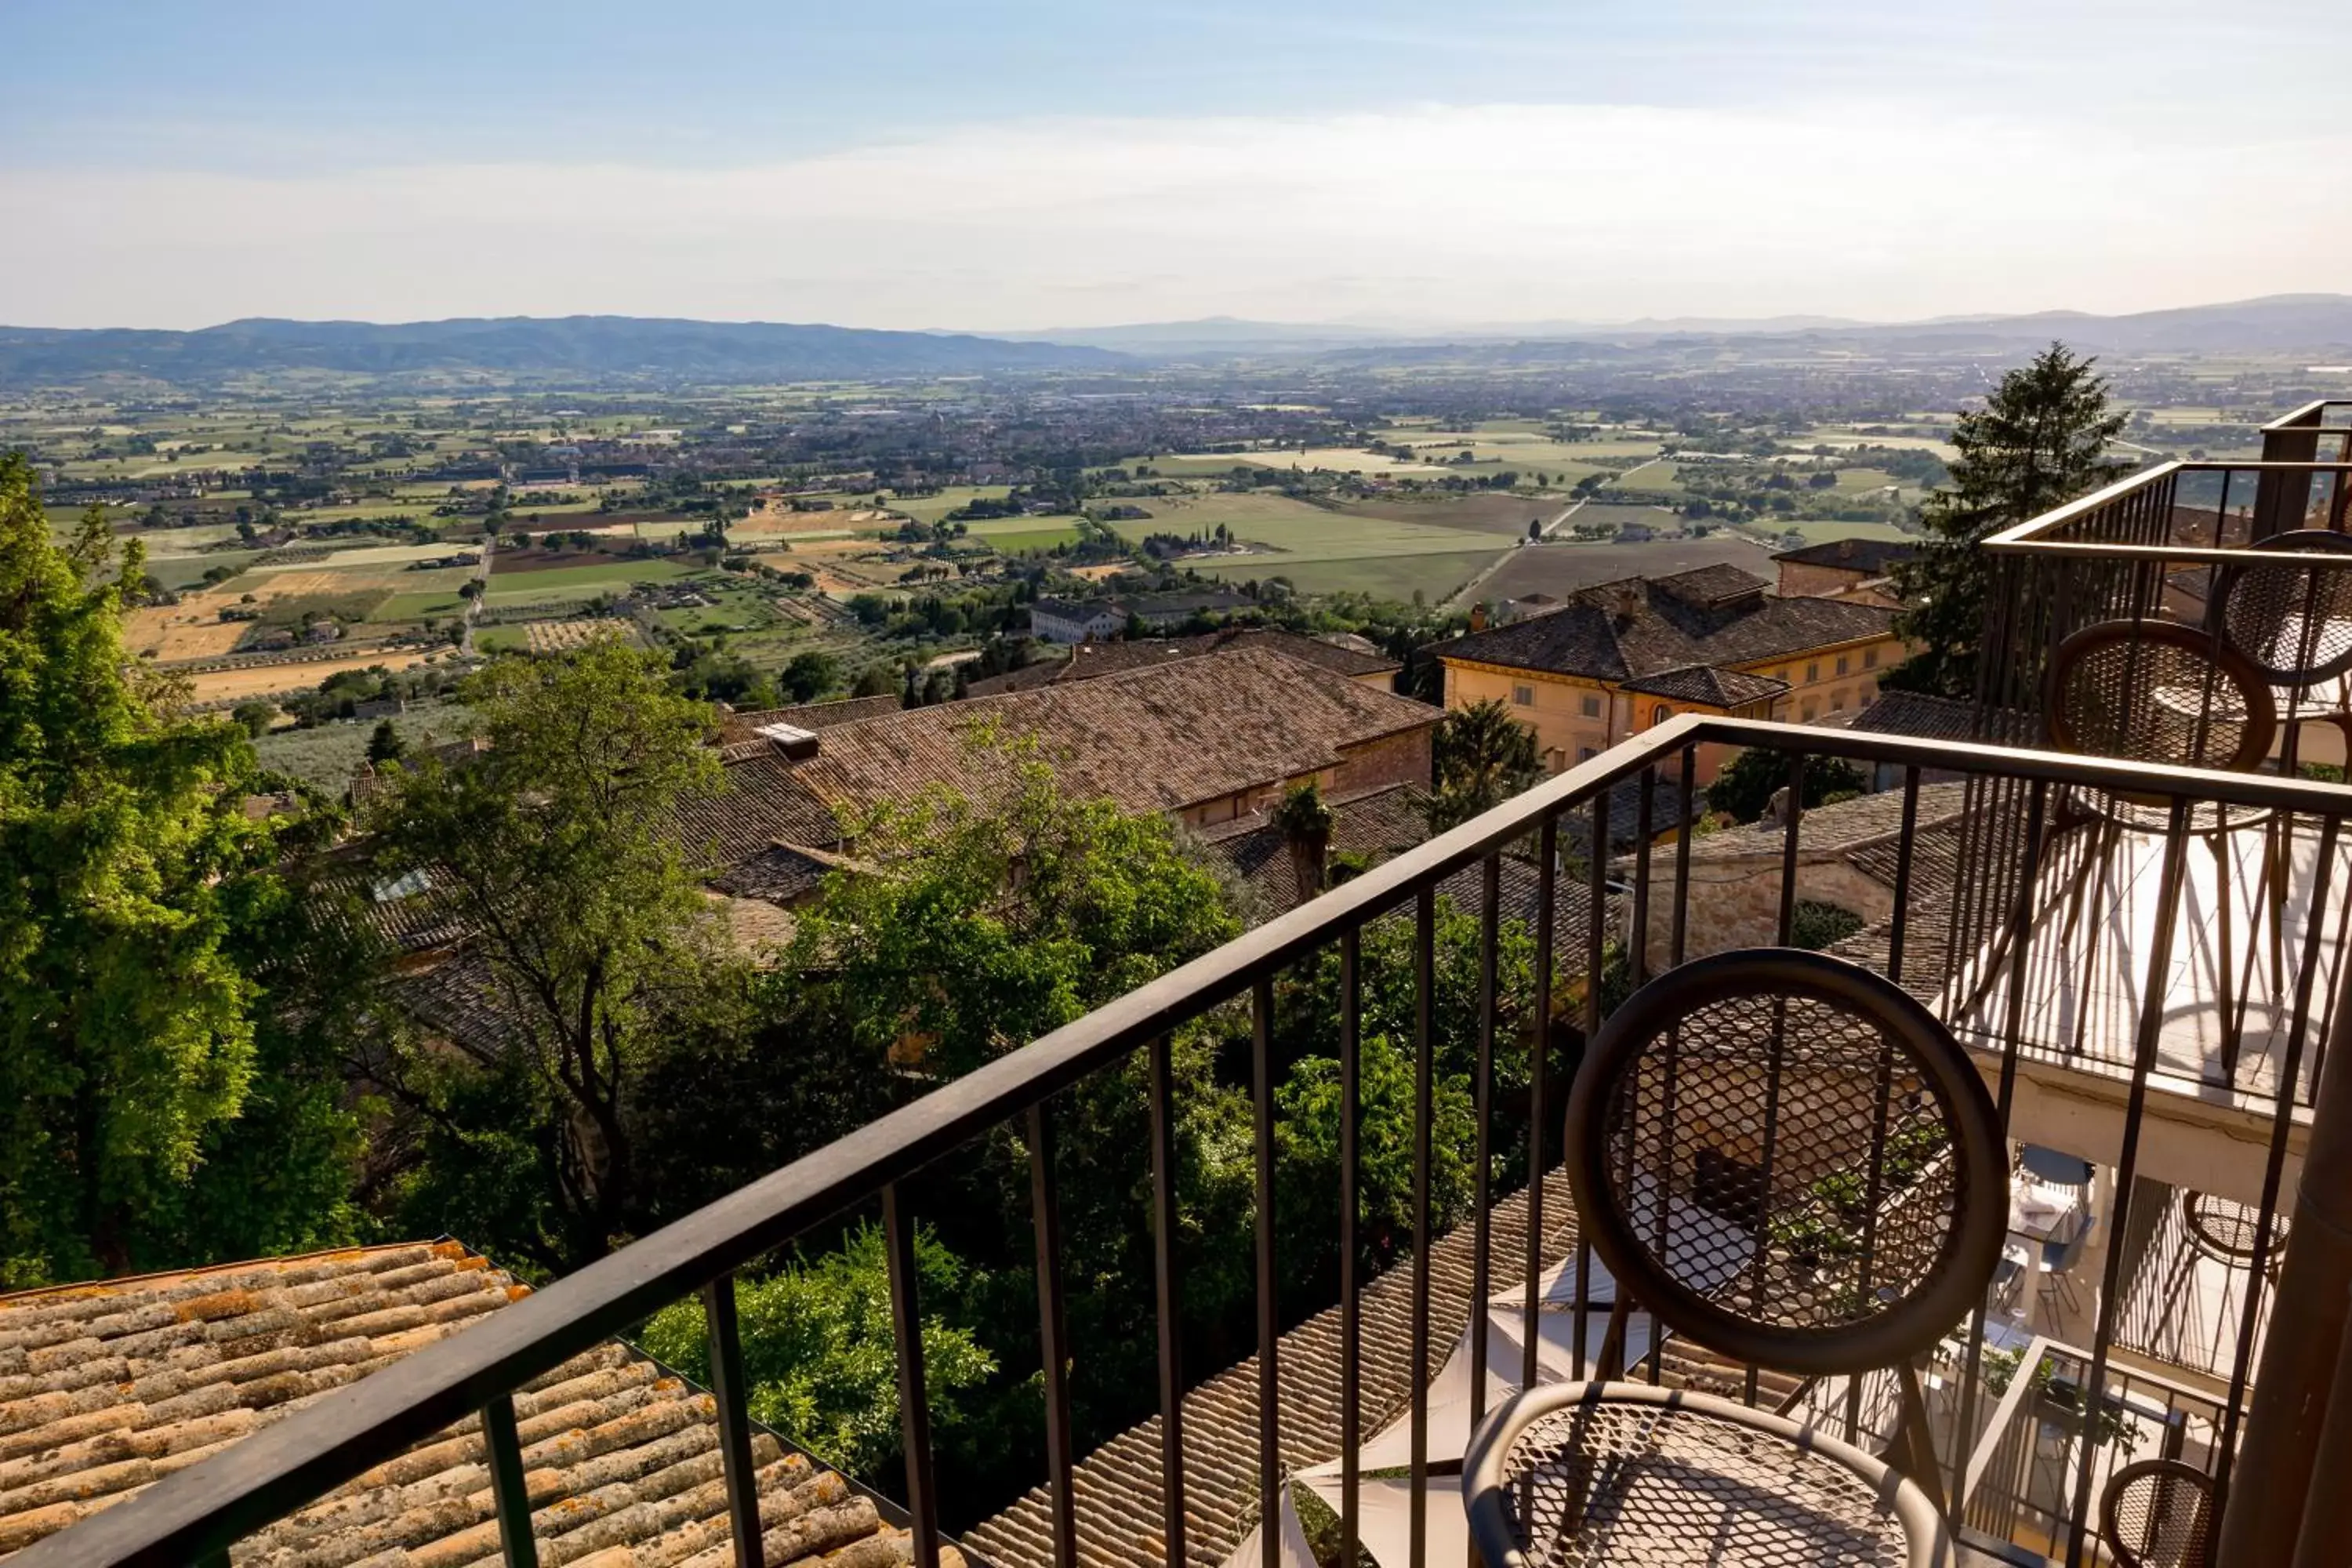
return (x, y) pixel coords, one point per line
(1626, 602)
(1478, 616)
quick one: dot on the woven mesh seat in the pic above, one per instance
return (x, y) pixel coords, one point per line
(2157, 691)
(1787, 1158)
(2158, 1513)
(2290, 619)
(1676, 1481)
(2227, 1229)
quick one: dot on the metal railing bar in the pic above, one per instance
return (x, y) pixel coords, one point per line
(1169, 1302)
(2151, 1024)
(1424, 1096)
(1269, 1318)
(1481, 1279)
(1053, 1335)
(1352, 1377)
(1547, 887)
(914, 1396)
(1637, 953)
(731, 1393)
(2275, 1164)
(509, 1495)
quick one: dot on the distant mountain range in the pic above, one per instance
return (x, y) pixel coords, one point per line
(559, 348)
(576, 349)
(2291, 323)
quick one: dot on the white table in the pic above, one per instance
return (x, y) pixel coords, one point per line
(2040, 1213)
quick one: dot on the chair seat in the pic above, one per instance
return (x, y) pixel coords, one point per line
(1625, 1473)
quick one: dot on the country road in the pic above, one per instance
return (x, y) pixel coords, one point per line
(1468, 591)
(474, 605)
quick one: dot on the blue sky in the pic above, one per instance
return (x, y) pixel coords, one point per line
(901, 164)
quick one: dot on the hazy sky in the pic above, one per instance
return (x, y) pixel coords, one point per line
(904, 163)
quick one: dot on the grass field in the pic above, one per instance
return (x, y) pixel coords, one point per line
(1433, 574)
(1556, 569)
(930, 508)
(558, 582)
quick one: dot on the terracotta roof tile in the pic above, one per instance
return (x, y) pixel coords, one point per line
(106, 1388)
(811, 716)
(1151, 740)
(1637, 626)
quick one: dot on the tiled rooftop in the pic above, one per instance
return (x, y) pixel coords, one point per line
(1637, 627)
(1150, 739)
(107, 1388)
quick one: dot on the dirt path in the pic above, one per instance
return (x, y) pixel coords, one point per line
(1469, 592)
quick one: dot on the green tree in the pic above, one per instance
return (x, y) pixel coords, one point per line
(385, 745)
(124, 1029)
(986, 920)
(1481, 757)
(255, 716)
(810, 675)
(588, 937)
(820, 1362)
(2039, 441)
(1746, 784)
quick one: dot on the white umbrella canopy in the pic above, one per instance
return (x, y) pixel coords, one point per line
(1384, 1519)
(1291, 1536)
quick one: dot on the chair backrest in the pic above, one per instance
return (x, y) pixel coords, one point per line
(2158, 1513)
(2290, 619)
(2158, 692)
(1855, 1191)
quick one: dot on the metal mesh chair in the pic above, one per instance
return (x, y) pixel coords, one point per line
(2290, 619)
(2225, 1229)
(2158, 692)
(1786, 1158)
(2158, 1513)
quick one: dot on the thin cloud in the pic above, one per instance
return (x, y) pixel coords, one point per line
(1527, 212)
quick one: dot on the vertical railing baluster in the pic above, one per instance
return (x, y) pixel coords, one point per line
(1482, 1238)
(1547, 895)
(1596, 894)
(1682, 860)
(1352, 1349)
(1170, 1302)
(1269, 1318)
(732, 1395)
(1786, 935)
(2021, 939)
(1053, 1334)
(1637, 953)
(509, 1492)
(2151, 1027)
(2274, 1164)
(914, 1396)
(1786, 929)
(1425, 1089)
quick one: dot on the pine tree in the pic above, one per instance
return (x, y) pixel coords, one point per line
(2039, 441)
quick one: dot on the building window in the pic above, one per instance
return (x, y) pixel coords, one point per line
(1525, 696)
(1841, 664)
(1870, 658)
(1812, 711)
(1585, 754)
(1660, 714)
(1591, 705)
(1812, 672)
(1837, 702)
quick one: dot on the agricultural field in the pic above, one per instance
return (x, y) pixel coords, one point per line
(329, 755)
(1558, 568)
(1013, 534)
(1395, 551)
(930, 508)
(242, 681)
(1827, 532)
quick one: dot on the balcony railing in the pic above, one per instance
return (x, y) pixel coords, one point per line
(1977, 923)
